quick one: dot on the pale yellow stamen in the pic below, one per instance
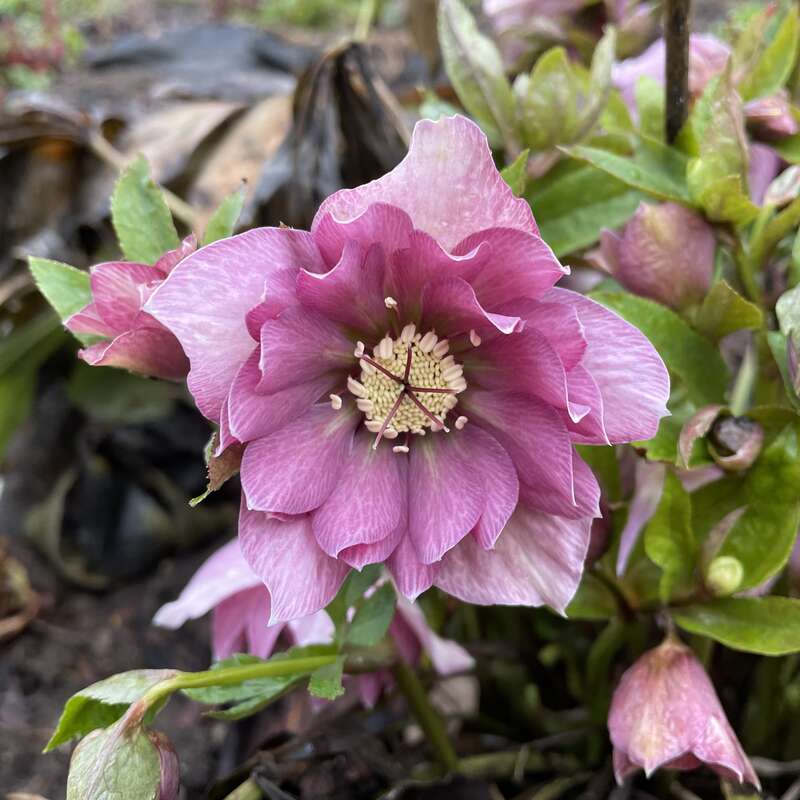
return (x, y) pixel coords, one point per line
(461, 422)
(336, 402)
(390, 302)
(474, 339)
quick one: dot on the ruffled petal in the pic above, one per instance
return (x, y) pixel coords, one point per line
(410, 575)
(537, 560)
(366, 505)
(314, 629)
(446, 494)
(115, 291)
(561, 327)
(205, 301)
(299, 346)
(240, 625)
(88, 321)
(148, 351)
(222, 575)
(294, 469)
(300, 578)
(172, 258)
(585, 487)
(630, 374)
(447, 197)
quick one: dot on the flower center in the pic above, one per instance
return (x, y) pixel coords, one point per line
(408, 384)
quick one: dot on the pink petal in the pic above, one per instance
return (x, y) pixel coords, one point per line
(313, 629)
(586, 494)
(366, 505)
(251, 414)
(352, 292)
(370, 687)
(518, 264)
(646, 497)
(537, 560)
(294, 469)
(446, 494)
(630, 374)
(88, 320)
(501, 485)
(532, 433)
(299, 346)
(410, 575)
(148, 351)
(115, 291)
(584, 391)
(172, 258)
(561, 327)
(447, 183)
(300, 578)
(206, 298)
(240, 625)
(765, 164)
(222, 575)
(720, 749)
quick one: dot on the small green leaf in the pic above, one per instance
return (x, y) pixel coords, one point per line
(650, 103)
(654, 168)
(113, 764)
(549, 113)
(102, 703)
(372, 619)
(475, 68)
(593, 600)
(778, 347)
(789, 148)
(724, 311)
(141, 218)
(668, 538)
(66, 289)
(351, 591)
(223, 222)
(769, 626)
(515, 174)
(326, 682)
(724, 200)
(687, 354)
(774, 66)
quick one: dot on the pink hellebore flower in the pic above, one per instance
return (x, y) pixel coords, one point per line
(665, 252)
(665, 713)
(240, 603)
(409, 386)
(138, 342)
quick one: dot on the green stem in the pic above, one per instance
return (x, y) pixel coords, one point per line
(366, 13)
(429, 720)
(228, 676)
(246, 791)
(779, 226)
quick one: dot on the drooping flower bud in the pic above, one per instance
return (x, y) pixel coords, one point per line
(665, 713)
(771, 117)
(735, 442)
(724, 575)
(665, 252)
(170, 767)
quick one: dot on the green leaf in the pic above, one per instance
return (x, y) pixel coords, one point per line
(326, 682)
(787, 310)
(593, 600)
(664, 445)
(763, 537)
(650, 103)
(549, 113)
(475, 68)
(66, 289)
(668, 538)
(788, 148)
(778, 347)
(572, 210)
(600, 79)
(515, 174)
(102, 703)
(769, 626)
(141, 218)
(774, 66)
(223, 222)
(113, 764)
(372, 619)
(724, 311)
(351, 591)
(687, 354)
(654, 168)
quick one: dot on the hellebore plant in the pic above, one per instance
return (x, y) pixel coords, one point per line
(456, 382)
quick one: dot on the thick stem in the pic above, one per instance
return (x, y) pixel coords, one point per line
(246, 791)
(676, 33)
(429, 720)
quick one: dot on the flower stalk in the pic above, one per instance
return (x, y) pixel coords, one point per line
(676, 34)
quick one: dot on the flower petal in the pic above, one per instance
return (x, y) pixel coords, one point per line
(206, 298)
(240, 623)
(448, 197)
(148, 351)
(410, 575)
(172, 258)
(630, 374)
(294, 469)
(300, 578)
(446, 494)
(366, 505)
(88, 320)
(537, 560)
(646, 497)
(115, 291)
(299, 346)
(561, 327)
(222, 575)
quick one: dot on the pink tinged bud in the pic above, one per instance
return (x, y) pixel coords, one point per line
(170, 768)
(665, 252)
(665, 713)
(771, 117)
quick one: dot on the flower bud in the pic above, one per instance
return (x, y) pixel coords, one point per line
(665, 252)
(665, 713)
(771, 117)
(170, 767)
(724, 575)
(735, 442)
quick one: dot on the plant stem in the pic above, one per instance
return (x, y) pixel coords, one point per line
(676, 33)
(246, 791)
(366, 13)
(428, 718)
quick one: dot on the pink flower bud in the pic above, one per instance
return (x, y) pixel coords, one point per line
(170, 768)
(665, 252)
(665, 713)
(771, 117)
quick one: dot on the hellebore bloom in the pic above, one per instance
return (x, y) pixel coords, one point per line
(665, 713)
(138, 342)
(455, 381)
(240, 604)
(665, 252)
